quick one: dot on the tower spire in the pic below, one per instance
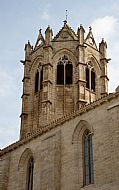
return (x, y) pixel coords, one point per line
(65, 21)
(66, 15)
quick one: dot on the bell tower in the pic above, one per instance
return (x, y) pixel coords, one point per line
(61, 74)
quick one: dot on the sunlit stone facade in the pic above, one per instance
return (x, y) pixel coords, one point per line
(69, 137)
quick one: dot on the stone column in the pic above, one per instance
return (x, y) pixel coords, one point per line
(47, 86)
(26, 93)
(81, 68)
(103, 63)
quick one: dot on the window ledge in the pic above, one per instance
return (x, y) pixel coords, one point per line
(87, 187)
(64, 85)
(92, 91)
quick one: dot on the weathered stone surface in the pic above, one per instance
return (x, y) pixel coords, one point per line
(54, 119)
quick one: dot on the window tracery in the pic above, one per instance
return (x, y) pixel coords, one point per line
(64, 71)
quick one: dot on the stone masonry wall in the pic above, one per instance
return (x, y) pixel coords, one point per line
(58, 153)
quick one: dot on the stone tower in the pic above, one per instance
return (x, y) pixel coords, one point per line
(69, 125)
(61, 74)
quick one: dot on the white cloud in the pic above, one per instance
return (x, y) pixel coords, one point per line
(104, 27)
(115, 7)
(45, 15)
(107, 27)
(114, 65)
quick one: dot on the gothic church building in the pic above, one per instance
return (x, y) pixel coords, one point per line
(69, 136)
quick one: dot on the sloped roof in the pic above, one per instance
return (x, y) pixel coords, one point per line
(54, 124)
(66, 33)
(40, 40)
(90, 39)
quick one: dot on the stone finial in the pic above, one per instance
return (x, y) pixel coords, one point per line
(103, 48)
(90, 29)
(65, 22)
(48, 35)
(28, 49)
(104, 42)
(80, 33)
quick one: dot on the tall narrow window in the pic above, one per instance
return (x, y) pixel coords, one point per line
(64, 71)
(37, 81)
(87, 78)
(41, 79)
(60, 74)
(30, 174)
(92, 80)
(68, 74)
(88, 158)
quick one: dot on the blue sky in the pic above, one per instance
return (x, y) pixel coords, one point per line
(20, 22)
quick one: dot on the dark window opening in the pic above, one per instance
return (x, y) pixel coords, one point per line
(36, 81)
(41, 79)
(93, 81)
(88, 159)
(60, 74)
(64, 71)
(87, 78)
(64, 58)
(68, 74)
(30, 174)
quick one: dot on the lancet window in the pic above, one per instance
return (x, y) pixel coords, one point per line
(30, 168)
(88, 158)
(90, 78)
(38, 79)
(64, 71)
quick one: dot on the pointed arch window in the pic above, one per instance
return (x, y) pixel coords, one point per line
(87, 77)
(64, 71)
(68, 74)
(93, 80)
(38, 79)
(41, 78)
(90, 78)
(88, 158)
(60, 74)
(30, 168)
